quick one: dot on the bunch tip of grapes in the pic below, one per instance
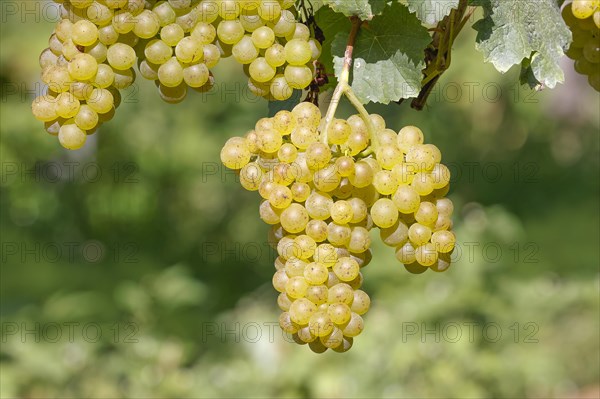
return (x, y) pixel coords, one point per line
(322, 194)
(93, 50)
(583, 18)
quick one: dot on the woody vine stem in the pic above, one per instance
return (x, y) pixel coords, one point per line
(344, 89)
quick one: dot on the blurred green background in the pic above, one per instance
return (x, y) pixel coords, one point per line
(137, 267)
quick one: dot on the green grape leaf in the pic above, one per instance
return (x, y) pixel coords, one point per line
(287, 105)
(431, 12)
(364, 9)
(331, 23)
(515, 30)
(388, 56)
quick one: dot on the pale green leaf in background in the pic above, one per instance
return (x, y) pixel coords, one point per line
(364, 9)
(430, 12)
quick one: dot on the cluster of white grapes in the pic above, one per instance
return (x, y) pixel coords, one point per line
(93, 50)
(322, 195)
(583, 18)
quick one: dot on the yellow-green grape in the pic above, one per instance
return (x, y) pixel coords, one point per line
(297, 52)
(387, 137)
(147, 24)
(427, 214)
(304, 247)
(421, 158)
(326, 254)
(422, 183)
(444, 206)
(189, 50)
(444, 241)
(357, 142)
(269, 10)
(279, 89)
(84, 33)
(98, 51)
(280, 280)
(212, 55)
(71, 136)
(406, 199)
(99, 14)
(284, 122)
(360, 240)
(359, 210)
(361, 302)
(230, 32)
(287, 325)
(342, 212)
(316, 273)
(196, 75)
(583, 9)
(384, 213)
(318, 156)
(316, 48)
(300, 31)
(426, 255)
(296, 287)
(389, 156)
(320, 324)
(302, 310)
(317, 230)
(339, 313)
(251, 176)
(597, 19)
(263, 37)
(287, 153)
(280, 197)
(298, 77)
(121, 56)
(47, 59)
(363, 175)
(419, 234)
(86, 118)
(82, 67)
(261, 71)
(307, 115)
(317, 346)
(124, 78)
(327, 179)
(354, 327)
(385, 182)
(346, 269)
(101, 100)
(172, 34)
(235, 153)
(107, 35)
(123, 21)
(300, 191)
(294, 267)
(283, 301)
(245, 51)
(442, 264)
(415, 268)
(285, 25)
(338, 235)
(338, 132)
(345, 166)
(318, 205)
(440, 176)
(67, 105)
(275, 55)
(158, 52)
(406, 253)
(295, 218)
(64, 29)
(44, 108)
(170, 73)
(409, 137)
(269, 141)
(340, 293)
(396, 235)
(286, 247)
(405, 173)
(205, 33)
(317, 294)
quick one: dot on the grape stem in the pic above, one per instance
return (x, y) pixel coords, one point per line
(344, 89)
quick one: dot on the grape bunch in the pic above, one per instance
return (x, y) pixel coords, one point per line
(322, 194)
(94, 47)
(583, 18)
